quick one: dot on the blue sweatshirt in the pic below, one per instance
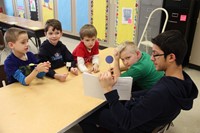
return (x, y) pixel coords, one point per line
(58, 55)
(160, 105)
(17, 69)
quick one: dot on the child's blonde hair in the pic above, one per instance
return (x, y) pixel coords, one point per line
(88, 30)
(12, 34)
(127, 45)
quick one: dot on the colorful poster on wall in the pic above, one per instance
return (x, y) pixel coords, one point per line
(127, 15)
(126, 20)
(32, 6)
(47, 10)
(20, 8)
(99, 12)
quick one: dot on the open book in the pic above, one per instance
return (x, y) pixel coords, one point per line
(93, 88)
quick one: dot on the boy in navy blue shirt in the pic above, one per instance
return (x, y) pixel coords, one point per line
(21, 65)
(54, 51)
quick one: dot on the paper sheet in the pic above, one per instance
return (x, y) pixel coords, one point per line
(93, 88)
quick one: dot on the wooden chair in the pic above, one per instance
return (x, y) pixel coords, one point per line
(31, 36)
(3, 76)
(2, 44)
(3, 54)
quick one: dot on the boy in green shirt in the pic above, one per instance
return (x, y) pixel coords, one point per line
(137, 65)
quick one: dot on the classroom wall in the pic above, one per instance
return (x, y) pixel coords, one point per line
(73, 14)
(126, 20)
(82, 13)
(64, 14)
(8, 7)
(33, 9)
(98, 17)
(21, 9)
(1, 6)
(115, 20)
(47, 10)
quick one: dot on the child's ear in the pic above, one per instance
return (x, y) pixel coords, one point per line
(137, 52)
(45, 33)
(11, 45)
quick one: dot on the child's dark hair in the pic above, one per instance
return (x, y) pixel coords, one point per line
(88, 30)
(54, 23)
(12, 34)
(172, 41)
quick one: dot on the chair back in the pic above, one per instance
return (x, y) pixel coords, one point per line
(4, 54)
(3, 78)
(2, 44)
(163, 128)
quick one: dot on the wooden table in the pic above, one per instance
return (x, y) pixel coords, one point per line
(34, 28)
(47, 105)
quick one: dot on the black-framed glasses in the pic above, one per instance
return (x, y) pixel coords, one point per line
(157, 55)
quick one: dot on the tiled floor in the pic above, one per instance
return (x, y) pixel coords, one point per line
(186, 122)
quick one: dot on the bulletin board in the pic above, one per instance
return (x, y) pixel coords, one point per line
(47, 10)
(82, 15)
(99, 14)
(9, 7)
(64, 14)
(126, 18)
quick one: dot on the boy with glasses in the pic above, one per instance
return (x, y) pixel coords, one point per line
(160, 105)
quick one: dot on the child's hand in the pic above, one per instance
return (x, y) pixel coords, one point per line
(107, 81)
(47, 63)
(95, 68)
(111, 70)
(43, 67)
(116, 54)
(74, 70)
(60, 77)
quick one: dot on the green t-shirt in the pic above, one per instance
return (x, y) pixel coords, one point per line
(143, 72)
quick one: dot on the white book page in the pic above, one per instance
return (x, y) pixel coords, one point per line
(93, 88)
